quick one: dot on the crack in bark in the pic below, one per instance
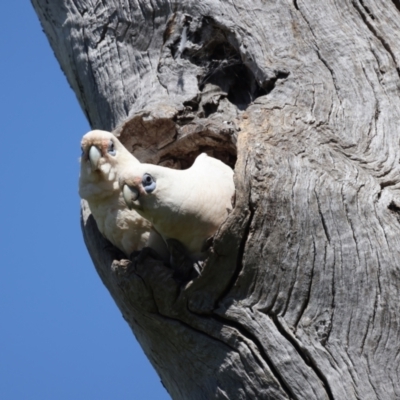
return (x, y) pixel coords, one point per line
(104, 31)
(126, 104)
(308, 294)
(313, 102)
(318, 53)
(375, 117)
(172, 344)
(365, 335)
(322, 218)
(81, 13)
(143, 10)
(374, 31)
(191, 327)
(395, 210)
(367, 10)
(379, 291)
(346, 347)
(252, 338)
(387, 172)
(333, 304)
(346, 208)
(352, 372)
(302, 351)
(82, 91)
(370, 382)
(381, 225)
(291, 286)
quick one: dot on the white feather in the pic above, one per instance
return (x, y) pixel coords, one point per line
(187, 205)
(126, 229)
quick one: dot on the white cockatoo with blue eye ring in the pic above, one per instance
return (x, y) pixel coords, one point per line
(184, 205)
(103, 158)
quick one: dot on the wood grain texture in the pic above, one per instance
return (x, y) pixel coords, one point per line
(299, 295)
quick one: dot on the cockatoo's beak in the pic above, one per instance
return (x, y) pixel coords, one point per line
(130, 195)
(94, 157)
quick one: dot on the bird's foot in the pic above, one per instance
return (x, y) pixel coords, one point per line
(185, 269)
(198, 266)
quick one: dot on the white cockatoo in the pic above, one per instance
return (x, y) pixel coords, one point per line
(103, 158)
(184, 205)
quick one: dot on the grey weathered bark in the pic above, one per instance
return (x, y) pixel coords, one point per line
(299, 295)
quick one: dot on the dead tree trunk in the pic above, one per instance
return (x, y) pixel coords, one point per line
(299, 296)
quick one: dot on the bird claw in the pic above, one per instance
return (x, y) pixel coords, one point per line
(184, 267)
(198, 266)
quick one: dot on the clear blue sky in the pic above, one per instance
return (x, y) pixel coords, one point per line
(61, 335)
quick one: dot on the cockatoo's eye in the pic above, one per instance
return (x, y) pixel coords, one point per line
(111, 150)
(82, 152)
(148, 183)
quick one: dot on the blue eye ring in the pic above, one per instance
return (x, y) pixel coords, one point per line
(111, 150)
(148, 182)
(82, 152)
